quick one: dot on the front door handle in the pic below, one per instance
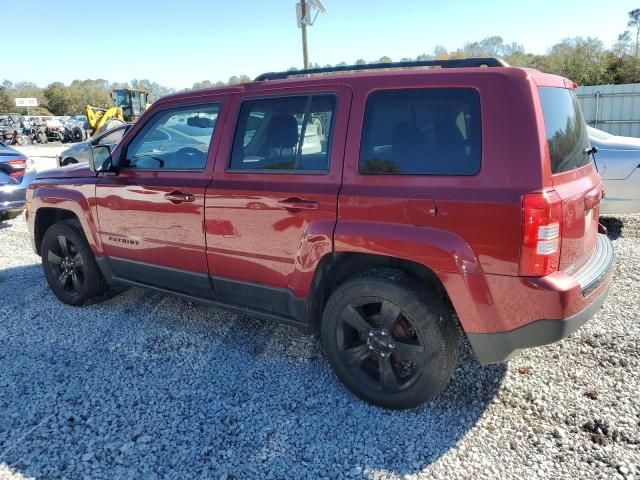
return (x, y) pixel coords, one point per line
(176, 197)
(296, 203)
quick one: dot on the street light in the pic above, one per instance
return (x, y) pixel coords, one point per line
(303, 14)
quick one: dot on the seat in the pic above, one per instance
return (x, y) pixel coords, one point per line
(408, 148)
(451, 146)
(282, 133)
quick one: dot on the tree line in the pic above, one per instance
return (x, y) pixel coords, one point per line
(585, 60)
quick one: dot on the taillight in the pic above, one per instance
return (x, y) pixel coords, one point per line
(18, 163)
(541, 233)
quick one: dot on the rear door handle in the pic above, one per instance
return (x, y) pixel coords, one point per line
(177, 197)
(296, 203)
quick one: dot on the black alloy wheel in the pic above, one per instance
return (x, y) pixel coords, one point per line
(391, 339)
(67, 265)
(380, 345)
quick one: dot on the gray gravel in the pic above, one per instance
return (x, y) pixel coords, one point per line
(148, 386)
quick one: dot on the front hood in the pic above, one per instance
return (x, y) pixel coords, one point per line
(76, 170)
(616, 142)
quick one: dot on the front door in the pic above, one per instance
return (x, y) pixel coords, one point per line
(151, 213)
(271, 207)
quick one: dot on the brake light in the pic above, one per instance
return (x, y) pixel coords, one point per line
(541, 233)
(18, 163)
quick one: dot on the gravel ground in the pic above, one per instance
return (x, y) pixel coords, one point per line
(148, 386)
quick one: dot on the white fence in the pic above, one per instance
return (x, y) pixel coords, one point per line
(612, 108)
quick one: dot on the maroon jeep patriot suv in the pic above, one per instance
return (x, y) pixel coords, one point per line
(389, 210)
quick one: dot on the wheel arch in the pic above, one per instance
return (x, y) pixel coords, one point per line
(45, 218)
(58, 202)
(337, 267)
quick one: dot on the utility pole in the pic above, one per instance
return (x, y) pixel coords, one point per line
(305, 50)
(303, 14)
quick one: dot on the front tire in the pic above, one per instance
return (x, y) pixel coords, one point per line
(69, 265)
(391, 341)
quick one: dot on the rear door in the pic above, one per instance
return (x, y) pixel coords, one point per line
(573, 174)
(271, 207)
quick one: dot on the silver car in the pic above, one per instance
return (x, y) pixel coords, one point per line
(618, 161)
(79, 152)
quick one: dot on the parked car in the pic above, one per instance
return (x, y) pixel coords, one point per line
(618, 161)
(80, 152)
(10, 128)
(14, 179)
(437, 194)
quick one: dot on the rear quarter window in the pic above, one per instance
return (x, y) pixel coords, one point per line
(429, 131)
(565, 129)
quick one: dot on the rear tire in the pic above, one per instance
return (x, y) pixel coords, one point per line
(77, 135)
(391, 341)
(69, 265)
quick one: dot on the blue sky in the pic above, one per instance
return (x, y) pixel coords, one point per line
(177, 43)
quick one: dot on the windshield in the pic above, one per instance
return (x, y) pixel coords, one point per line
(566, 130)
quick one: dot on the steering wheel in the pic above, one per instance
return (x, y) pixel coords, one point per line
(193, 157)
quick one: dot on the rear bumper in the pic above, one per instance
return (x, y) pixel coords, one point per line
(500, 347)
(12, 199)
(559, 304)
(11, 207)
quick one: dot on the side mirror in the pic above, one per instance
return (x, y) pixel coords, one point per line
(100, 159)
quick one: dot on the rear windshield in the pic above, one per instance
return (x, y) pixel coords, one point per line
(566, 130)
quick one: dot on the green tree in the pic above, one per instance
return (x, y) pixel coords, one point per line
(57, 101)
(423, 57)
(155, 90)
(440, 53)
(634, 22)
(203, 84)
(6, 103)
(579, 59)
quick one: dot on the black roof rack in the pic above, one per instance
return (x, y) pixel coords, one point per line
(456, 63)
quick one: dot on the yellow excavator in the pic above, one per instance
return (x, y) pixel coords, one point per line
(129, 103)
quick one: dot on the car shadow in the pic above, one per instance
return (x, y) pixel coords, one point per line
(146, 385)
(613, 225)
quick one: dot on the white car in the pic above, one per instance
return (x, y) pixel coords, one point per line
(618, 162)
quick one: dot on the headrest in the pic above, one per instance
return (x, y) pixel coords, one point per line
(282, 131)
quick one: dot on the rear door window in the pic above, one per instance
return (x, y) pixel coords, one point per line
(431, 131)
(566, 131)
(284, 134)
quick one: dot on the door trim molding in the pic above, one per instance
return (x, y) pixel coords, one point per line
(251, 299)
(192, 283)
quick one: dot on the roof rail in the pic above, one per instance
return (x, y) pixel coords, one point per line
(456, 63)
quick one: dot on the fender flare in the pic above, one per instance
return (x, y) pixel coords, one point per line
(73, 201)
